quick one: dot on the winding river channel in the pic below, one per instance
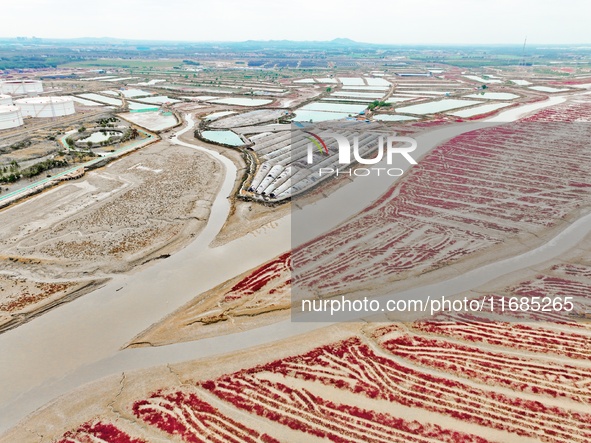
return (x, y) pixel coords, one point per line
(81, 341)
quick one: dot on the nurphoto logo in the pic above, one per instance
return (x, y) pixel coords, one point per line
(393, 146)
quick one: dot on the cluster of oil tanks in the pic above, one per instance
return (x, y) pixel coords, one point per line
(13, 110)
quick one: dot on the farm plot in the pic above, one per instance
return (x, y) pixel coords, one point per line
(302, 115)
(480, 110)
(548, 89)
(132, 93)
(494, 95)
(158, 100)
(365, 88)
(85, 102)
(371, 81)
(366, 95)
(334, 107)
(352, 81)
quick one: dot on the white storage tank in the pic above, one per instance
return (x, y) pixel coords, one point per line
(10, 117)
(46, 107)
(21, 87)
(5, 100)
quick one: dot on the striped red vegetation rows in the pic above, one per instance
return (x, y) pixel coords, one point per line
(554, 284)
(535, 339)
(517, 373)
(563, 113)
(195, 420)
(98, 432)
(341, 423)
(288, 392)
(336, 422)
(467, 195)
(352, 366)
(261, 277)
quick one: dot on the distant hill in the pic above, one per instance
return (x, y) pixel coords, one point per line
(258, 44)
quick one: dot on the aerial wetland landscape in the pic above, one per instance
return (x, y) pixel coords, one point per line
(310, 241)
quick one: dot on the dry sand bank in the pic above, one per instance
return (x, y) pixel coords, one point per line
(140, 208)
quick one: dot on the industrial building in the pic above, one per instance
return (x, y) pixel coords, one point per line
(46, 107)
(21, 87)
(10, 117)
(5, 100)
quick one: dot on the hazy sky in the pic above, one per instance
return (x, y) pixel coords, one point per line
(390, 21)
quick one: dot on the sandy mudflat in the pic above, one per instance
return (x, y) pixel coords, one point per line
(140, 208)
(110, 399)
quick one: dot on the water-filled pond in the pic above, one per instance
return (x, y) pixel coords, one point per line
(242, 101)
(224, 137)
(477, 110)
(494, 95)
(99, 136)
(392, 118)
(349, 108)
(318, 116)
(548, 89)
(434, 107)
(101, 99)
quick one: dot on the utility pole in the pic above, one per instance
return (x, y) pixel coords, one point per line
(523, 52)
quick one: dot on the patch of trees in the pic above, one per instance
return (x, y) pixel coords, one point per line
(12, 172)
(39, 168)
(33, 62)
(378, 104)
(107, 122)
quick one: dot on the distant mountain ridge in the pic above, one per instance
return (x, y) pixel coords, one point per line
(341, 42)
